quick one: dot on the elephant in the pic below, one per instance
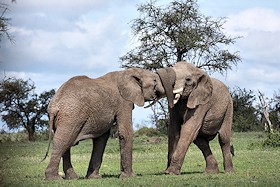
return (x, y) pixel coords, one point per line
(87, 108)
(200, 107)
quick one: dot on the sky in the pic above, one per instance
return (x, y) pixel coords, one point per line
(56, 40)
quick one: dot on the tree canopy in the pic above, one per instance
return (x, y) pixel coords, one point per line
(21, 107)
(246, 115)
(4, 22)
(179, 31)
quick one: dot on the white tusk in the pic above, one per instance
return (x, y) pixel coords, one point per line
(176, 99)
(180, 90)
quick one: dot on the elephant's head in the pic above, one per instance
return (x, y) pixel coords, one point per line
(191, 83)
(138, 85)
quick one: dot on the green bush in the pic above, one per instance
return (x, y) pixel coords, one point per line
(272, 139)
(146, 131)
(13, 137)
(22, 136)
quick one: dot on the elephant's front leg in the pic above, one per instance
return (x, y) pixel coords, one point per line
(124, 121)
(188, 133)
(99, 145)
(173, 133)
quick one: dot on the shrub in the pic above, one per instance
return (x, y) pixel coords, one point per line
(272, 139)
(146, 131)
(13, 137)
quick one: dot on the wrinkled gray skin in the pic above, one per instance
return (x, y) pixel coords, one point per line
(85, 108)
(200, 108)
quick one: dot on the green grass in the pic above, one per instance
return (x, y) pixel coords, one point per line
(254, 165)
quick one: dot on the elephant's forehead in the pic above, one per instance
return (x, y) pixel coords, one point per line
(182, 73)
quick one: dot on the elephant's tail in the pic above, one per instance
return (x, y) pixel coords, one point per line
(232, 150)
(51, 123)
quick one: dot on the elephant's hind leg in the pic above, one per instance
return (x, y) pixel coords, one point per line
(211, 162)
(62, 141)
(51, 172)
(67, 166)
(97, 155)
(224, 140)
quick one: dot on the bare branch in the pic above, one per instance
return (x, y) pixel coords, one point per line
(264, 107)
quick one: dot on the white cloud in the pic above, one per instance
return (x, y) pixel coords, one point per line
(254, 19)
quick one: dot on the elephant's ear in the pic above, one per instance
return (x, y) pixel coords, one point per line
(130, 86)
(203, 91)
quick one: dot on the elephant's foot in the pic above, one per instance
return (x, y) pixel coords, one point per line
(172, 171)
(52, 177)
(52, 174)
(70, 174)
(127, 174)
(93, 175)
(211, 170)
(229, 170)
(211, 165)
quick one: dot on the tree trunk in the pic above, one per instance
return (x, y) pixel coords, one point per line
(265, 112)
(155, 115)
(31, 133)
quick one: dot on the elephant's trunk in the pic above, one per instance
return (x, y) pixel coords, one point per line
(168, 77)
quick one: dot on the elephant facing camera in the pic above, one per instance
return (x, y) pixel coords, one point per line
(200, 108)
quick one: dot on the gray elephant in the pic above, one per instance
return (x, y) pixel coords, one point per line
(200, 108)
(85, 108)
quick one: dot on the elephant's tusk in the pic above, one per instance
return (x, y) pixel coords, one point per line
(180, 90)
(176, 98)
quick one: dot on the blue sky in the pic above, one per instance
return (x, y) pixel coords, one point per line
(56, 40)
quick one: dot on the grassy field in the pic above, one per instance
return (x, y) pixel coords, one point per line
(254, 165)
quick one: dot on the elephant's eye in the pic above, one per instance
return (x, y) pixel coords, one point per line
(189, 81)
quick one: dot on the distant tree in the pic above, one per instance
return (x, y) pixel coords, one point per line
(245, 115)
(160, 116)
(21, 107)
(178, 31)
(264, 107)
(275, 110)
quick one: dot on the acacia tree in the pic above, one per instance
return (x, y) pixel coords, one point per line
(21, 107)
(176, 32)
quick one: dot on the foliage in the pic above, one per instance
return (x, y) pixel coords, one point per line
(160, 116)
(272, 139)
(147, 131)
(245, 115)
(4, 22)
(275, 110)
(21, 107)
(22, 136)
(13, 137)
(178, 31)
(19, 165)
